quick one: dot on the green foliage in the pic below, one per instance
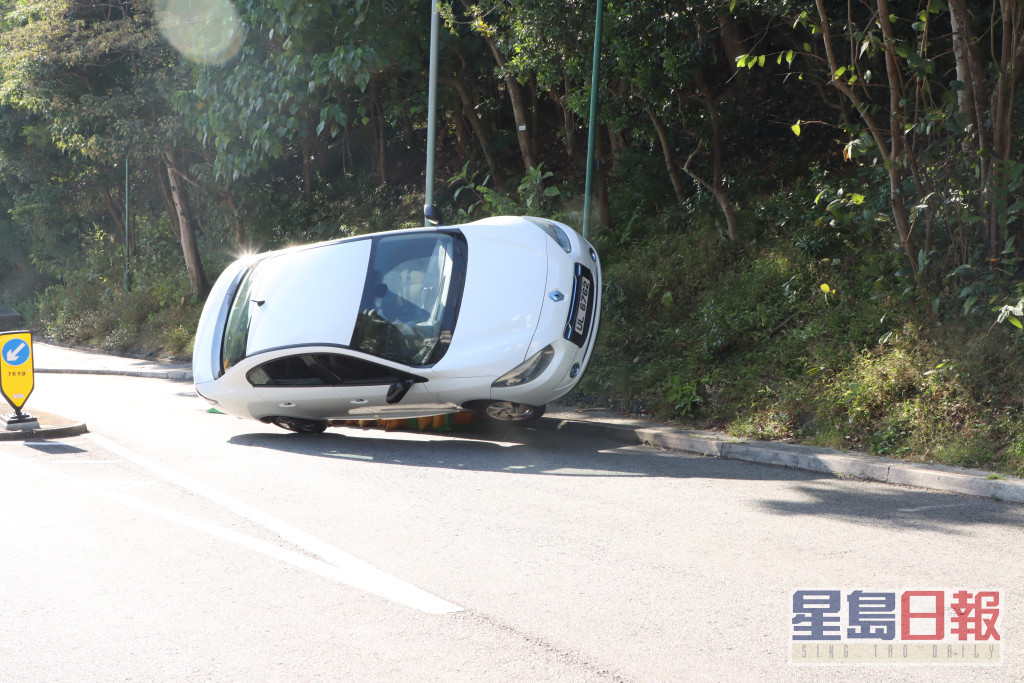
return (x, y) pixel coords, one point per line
(302, 72)
(744, 306)
(91, 307)
(867, 261)
(475, 198)
(684, 396)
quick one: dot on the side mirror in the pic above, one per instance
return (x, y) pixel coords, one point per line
(431, 214)
(398, 390)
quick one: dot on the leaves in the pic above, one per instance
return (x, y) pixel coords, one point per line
(1013, 314)
(269, 99)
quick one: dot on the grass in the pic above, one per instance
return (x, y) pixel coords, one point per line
(745, 339)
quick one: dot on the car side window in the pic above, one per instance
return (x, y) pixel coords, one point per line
(322, 369)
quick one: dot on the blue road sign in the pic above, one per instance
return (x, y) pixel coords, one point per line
(15, 352)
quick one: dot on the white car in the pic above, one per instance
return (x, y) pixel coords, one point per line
(497, 316)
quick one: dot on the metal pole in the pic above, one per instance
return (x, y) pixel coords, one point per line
(430, 213)
(593, 121)
(127, 234)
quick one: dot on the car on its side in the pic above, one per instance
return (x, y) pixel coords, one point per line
(498, 316)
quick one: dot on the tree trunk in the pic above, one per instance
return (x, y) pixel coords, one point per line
(888, 152)
(534, 113)
(116, 212)
(408, 131)
(189, 246)
(561, 98)
(897, 171)
(717, 191)
(308, 149)
(461, 135)
(618, 145)
(603, 199)
(240, 234)
(469, 112)
(519, 109)
(380, 133)
(892, 153)
(973, 98)
(165, 194)
(1002, 109)
(669, 155)
(717, 184)
(718, 166)
(733, 39)
(346, 151)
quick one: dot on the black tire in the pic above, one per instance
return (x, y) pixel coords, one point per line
(298, 424)
(509, 412)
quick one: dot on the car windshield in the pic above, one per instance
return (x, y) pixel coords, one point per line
(236, 332)
(411, 297)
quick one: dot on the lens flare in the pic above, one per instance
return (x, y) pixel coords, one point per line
(203, 31)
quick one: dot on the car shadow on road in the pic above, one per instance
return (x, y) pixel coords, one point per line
(557, 454)
(510, 450)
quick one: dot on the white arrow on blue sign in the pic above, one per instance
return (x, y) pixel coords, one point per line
(15, 352)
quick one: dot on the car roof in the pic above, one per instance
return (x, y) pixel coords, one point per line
(308, 295)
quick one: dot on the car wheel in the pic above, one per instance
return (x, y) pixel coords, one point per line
(508, 411)
(298, 424)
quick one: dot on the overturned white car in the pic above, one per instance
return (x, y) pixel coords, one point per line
(497, 316)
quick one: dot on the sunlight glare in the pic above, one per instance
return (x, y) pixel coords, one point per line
(203, 31)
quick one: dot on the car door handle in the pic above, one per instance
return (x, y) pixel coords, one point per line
(360, 401)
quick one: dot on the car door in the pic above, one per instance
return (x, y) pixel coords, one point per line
(339, 385)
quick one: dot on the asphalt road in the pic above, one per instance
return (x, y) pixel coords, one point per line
(175, 544)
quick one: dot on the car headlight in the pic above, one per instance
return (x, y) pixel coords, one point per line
(553, 231)
(528, 370)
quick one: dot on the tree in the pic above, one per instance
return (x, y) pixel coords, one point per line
(100, 76)
(304, 75)
(893, 64)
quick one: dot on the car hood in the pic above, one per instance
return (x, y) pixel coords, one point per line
(502, 300)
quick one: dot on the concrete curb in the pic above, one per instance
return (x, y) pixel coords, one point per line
(46, 433)
(176, 375)
(824, 460)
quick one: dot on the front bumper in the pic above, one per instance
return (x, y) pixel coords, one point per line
(569, 323)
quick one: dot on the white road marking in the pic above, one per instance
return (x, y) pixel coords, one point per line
(334, 563)
(81, 462)
(366, 578)
(398, 435)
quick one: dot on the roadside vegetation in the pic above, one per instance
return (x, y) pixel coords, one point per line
(809, 213)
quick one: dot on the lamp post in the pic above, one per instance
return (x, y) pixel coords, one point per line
(593, 121)
(431, 216)
(127, 234)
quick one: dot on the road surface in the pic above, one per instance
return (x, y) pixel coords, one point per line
(171, 543)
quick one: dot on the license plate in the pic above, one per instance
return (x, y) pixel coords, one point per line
(581, 315)
(584, 305)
